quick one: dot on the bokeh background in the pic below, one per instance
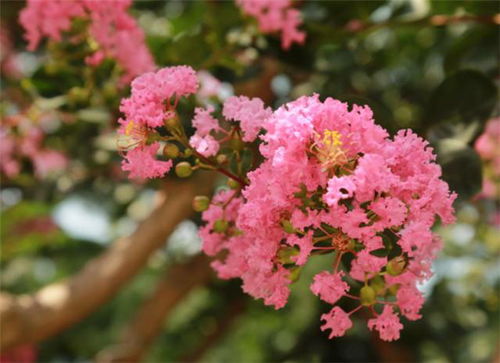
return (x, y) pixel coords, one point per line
(431, 66)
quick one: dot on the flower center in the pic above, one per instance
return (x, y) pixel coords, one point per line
(327, 147)
(135, 135)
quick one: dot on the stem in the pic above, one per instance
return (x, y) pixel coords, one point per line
(324, 238)
(356, 309)
(351, 296)
(337, 261)
(183, 140)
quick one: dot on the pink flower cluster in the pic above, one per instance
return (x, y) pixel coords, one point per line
(154, 97)
(487, 146)
(22, 136)
(113, 29)
(331, 181)
(327, 180)
(275, 16)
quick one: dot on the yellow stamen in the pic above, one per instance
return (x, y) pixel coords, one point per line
(129, 128)
(331, 137)
(327, 147)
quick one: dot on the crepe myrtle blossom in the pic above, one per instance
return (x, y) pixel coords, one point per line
(22, 137)
(488, 149)
(275, 16)
(312, 177)
(115, 33)
(332, 181)
(151, 120)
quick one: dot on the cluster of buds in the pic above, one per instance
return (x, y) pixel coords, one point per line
(311, 178)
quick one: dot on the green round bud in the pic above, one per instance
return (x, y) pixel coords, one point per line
(378, 284)
(187, 153)
(221, 159)
(109, 90)
(367, 296)
(200, 203)
(183, 169)
(172, 123)
(393, 289)
(396, 266)
(295, 273)
(78, 95)
(220, 225)
(350, 245)
(233, 184)
(170, 151)
(287, 226)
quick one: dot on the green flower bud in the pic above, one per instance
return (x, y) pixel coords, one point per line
(236, 143)
(200, 203)
(295, 273)
(367, 296)
(109, 90)
(183, 169)
(393, 289)
(170, 151)
(78, 95)
(287, 226)
(187, 153)
(285, 254)
(233, 184)
(396, 266)
(220, 225)
(172, 123)
(378, 284)
(221, 159)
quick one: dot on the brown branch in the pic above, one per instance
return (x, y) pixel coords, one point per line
(140, 333)
(357, 25)
(31, 318)
(236, 308)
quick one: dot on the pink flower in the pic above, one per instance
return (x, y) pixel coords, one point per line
(329, 286)
(48, 161)
(275, 16)
(410, 302)
(250, 112)
(141, 163)
(339, 188)
(337, 320)
(366, 264)
(305, 245)
(344, 185)
(211, 88)
(390, 212)
(152, 90)
(291, 34)
(204, 122)
(488, 148)
(270, 286)
(48, 18)
(206, 145)
(8, 163)
(113, 29)
(387, 324)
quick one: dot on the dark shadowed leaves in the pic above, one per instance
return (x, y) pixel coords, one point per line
(461, 167)
(465, 96)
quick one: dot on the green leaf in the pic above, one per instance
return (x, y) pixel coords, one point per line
(465, 96)
(461, 167)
